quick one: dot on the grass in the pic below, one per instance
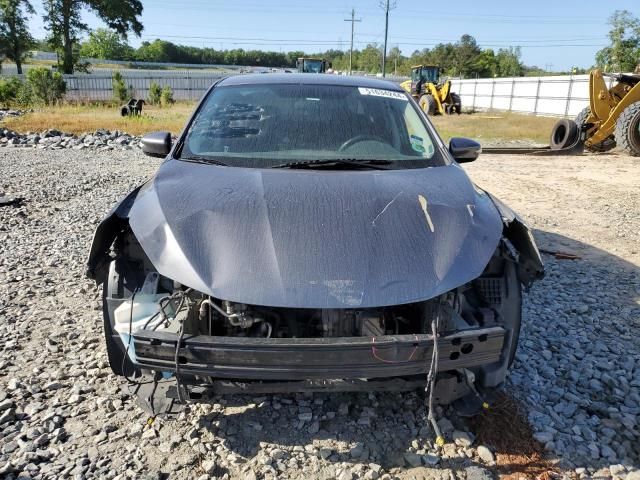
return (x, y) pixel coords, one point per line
(88, 118)
(483, 126)
(85, 118)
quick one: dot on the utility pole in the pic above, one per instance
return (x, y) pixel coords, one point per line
(386, 6)
(353, 22)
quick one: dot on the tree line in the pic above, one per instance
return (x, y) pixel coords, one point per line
(464, 58)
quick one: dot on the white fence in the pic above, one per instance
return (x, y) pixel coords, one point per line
(554, 95)
(186, 85)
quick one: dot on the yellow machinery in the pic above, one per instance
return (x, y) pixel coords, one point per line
(613, 115)
(312, 65)
(434, 97)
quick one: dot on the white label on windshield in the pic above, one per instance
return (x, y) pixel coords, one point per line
(383, 93)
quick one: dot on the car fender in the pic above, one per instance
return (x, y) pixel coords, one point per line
(106, 232)
(516, 231)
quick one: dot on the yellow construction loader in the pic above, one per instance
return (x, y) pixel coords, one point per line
(613, 115)
(611, 119)
(434, 96)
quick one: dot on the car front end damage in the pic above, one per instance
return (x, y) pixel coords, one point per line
(380, 285)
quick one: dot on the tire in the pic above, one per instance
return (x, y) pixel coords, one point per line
(628, 130)
(607, 144)
(428, 104)
(564, 134)
(456, 104)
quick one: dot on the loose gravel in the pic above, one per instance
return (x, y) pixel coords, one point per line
(101, 140)
(63, 414)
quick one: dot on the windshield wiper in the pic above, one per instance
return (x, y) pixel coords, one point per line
(201, 159)
(374, 164)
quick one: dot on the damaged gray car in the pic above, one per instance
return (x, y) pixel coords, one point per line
(311, 233)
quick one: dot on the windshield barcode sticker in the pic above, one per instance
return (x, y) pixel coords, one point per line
(383, 93)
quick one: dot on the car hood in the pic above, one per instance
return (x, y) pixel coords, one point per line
(315, 238)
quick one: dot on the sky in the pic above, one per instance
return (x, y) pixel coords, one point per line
(554, 35)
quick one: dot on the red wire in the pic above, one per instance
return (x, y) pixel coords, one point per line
(375, 353)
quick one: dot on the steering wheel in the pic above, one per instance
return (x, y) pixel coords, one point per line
(360, 138)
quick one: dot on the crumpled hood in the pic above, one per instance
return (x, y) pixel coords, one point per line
(316, 238)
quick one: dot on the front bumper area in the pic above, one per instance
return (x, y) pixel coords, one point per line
(295, 359)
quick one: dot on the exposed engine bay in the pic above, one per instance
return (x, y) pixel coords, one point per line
(162, 305)
(161, 324)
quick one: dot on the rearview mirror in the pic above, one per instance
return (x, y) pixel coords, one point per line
(157, 144)
(464, 149)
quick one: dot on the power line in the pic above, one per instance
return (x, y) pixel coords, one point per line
(320, 43)
(353, 22)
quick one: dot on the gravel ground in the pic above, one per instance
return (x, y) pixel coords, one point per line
(62, 413)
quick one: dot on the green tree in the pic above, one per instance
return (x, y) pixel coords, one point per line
(623, 54)
(443, 55)
(106, 44)
(369, 59)
(166, 96)
(394, 57)
(508, 62)
(64, 21)
(46, 86)
(15, 39)
(486, 65)
(464, 57)
(292, 57)
(156, 51)
(155, 92)
(120, 90)
(9, 88)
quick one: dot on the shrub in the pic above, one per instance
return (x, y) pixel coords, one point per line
(24, 96)
(155, 93)
(166, 97)
(9, 89)
(46, 86)
(120, 90)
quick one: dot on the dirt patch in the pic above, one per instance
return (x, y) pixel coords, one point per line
(504, 429)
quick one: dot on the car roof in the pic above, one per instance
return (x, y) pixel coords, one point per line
(309, 79)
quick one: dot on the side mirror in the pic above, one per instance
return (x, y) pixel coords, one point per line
(157, 144)
(464, 149)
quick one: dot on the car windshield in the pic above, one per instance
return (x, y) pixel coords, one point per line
(425, 74)
(270, 125)
(312, 66)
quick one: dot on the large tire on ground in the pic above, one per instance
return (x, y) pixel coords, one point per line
(428, 104)
(628, 130)
(456, 104)
(607, 144)
(564, 134)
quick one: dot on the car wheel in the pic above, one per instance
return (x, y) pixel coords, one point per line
(428, 104)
